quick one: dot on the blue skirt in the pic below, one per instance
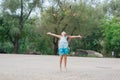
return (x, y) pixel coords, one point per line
(63, 51)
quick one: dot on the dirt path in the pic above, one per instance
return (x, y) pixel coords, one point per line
(39, 67)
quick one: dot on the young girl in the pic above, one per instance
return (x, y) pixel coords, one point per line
(63, 46)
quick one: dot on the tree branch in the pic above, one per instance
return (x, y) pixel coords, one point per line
(73, 30)
(64, 27)
(21, 17)
(33, 5)
(28, 14)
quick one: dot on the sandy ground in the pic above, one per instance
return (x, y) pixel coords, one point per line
(39, 67)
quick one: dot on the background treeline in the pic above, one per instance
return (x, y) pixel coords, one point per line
(22, 30)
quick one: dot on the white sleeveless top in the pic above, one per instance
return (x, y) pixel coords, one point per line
(63, 43)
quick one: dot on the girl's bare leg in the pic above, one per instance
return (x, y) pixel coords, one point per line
(65, 61)
(61, 57)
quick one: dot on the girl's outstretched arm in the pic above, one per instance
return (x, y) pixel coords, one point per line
(55, 35)
(71, 37)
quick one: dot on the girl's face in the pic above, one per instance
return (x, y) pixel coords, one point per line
(63, 33)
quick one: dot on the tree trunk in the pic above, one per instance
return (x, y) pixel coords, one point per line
(55, 49)
(55, 42)
(16, 44)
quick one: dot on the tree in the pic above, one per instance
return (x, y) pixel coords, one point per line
(73, 18)
(15, 14)
(111, 32)
(109, 25)
(112, 8)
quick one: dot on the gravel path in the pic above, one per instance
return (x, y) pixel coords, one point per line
(39, 67)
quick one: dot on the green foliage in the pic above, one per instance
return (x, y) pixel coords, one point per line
(44, 45)
(111, 30)
(93, 40)
(14, 21)
(112, 8)
(115, 7)
(11, 5)
(6, 47)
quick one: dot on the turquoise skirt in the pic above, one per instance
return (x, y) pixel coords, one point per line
(63, 51)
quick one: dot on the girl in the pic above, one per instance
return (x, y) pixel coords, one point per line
(63, 46)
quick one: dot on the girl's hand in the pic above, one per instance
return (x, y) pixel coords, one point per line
(49, 33)
(79, 36)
